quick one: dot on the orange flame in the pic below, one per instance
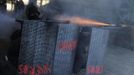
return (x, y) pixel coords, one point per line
(81, 21)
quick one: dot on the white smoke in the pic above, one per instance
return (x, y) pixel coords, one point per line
(7, 26)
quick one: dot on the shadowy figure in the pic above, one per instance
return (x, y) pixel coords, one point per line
(32, 12)
(19, 5)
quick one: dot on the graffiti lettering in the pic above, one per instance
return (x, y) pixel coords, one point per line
(95, 69)
(30, 70)
(68, 45)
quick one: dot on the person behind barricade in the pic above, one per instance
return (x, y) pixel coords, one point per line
(32, 12)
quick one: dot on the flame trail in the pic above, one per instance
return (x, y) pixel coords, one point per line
(81, 21)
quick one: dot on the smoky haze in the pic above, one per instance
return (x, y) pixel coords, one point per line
(7, 26)
(112, 11)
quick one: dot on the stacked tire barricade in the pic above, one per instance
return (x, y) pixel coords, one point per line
(61, 49)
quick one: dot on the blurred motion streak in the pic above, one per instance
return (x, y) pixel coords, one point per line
(81, 21)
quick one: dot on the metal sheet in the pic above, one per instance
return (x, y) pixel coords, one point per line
(38, 44)
(97, 48)
(65, 49)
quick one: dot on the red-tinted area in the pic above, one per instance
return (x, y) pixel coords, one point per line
(95, 69)
(68, 45)
(30, 70)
